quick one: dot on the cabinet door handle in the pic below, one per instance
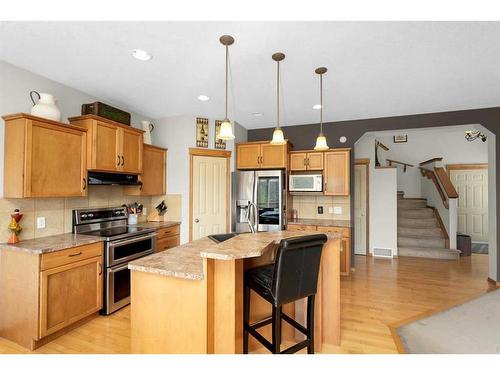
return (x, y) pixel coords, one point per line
(325, 185)
(118, 163)
(100, 269)
(123, 161)
(84, 183)
(76, 254)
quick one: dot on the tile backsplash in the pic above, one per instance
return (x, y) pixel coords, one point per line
(307, 206)
(58, 211)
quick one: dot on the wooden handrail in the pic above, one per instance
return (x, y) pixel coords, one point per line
(432, 176)
(448, 187)
(390, 161)
(433, 160)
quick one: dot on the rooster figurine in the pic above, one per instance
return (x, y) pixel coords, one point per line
(14, 226)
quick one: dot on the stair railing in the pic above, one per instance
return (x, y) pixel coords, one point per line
(390, 162)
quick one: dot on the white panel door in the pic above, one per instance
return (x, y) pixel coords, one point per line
(360, 209)
(209, 196)
(472, 188)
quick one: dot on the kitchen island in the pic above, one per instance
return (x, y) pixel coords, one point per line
(189, 299)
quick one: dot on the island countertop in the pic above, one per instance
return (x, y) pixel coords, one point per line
(186, 261)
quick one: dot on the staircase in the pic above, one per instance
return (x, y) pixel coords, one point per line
(419, 233)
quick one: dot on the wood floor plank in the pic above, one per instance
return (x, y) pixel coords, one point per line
(380, 292)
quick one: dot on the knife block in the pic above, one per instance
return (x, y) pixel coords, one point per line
(155, 216)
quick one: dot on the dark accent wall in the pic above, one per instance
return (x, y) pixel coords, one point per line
(303, 137)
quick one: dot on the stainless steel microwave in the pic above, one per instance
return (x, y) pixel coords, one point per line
(306, 182)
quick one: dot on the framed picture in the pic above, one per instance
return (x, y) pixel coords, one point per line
(219, 143)
(401, 138)
(201, 132)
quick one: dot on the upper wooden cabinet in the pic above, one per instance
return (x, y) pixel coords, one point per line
(261, 155)
(111, 146)
(43, 158)
(336, 172)
(306, 161)
(154, 173)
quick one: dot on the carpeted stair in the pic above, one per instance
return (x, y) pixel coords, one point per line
(419, 233)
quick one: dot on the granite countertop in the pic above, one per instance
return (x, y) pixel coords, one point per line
(322, 222)
(186, 261)
(156, 224)
(51, 243)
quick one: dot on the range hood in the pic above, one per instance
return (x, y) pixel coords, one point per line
(101, 178)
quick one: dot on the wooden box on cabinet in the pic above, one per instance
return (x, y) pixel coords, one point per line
(167, 238)
(261, 155)
(154, 173)
(44, 295)
(336, 172)
(111, 146)
(306, 161)
(43, 158)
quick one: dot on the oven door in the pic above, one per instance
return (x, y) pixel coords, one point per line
(117, 288)
(122, 251)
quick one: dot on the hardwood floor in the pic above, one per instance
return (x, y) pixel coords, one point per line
(379, 292)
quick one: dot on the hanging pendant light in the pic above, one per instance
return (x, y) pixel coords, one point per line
(226, 129)
(321, 144)
(278, 138)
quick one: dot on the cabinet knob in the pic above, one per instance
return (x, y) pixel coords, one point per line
(196, 220)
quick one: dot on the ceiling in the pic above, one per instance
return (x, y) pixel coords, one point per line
(375, 69)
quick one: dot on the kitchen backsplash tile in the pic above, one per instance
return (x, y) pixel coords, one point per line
(307, 206)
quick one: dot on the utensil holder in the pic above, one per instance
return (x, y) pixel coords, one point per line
(132, 219)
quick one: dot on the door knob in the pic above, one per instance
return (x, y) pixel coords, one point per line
(196, 220)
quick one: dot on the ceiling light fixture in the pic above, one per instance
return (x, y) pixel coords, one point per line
(278, 138)
(317, 106)
(203, 98)
(258, 114)
(142, 55)
(226, 130)
(321, 140)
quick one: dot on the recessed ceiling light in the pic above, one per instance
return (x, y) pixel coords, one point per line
(142, 55)
(258, 114)
(203, 98)
(317, 106)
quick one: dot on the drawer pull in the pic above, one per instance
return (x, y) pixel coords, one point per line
(75, 255)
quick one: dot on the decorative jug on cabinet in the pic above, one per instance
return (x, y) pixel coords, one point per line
(148, 128)
(46, 106)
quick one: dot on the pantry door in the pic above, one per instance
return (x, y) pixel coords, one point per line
(360, 208)
(209, 193)
(472, 187)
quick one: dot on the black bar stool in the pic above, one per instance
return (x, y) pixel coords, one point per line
(293, 276)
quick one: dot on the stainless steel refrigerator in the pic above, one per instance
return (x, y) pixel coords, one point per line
(258, 201)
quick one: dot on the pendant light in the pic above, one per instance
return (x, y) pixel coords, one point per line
(278, 138)
(226, 130)
(321, 144)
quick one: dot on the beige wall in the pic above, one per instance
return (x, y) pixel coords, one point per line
(58, 211)
(307, 206)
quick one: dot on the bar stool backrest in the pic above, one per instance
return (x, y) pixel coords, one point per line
(297, 267)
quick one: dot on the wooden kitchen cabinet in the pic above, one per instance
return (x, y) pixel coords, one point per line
(345, 243)
(261, 155)
(154, 173)
(167, 238)
(306, 161)
(111, 146)
(49, 293)
(336, 172)
(43, 158)
(69, 293)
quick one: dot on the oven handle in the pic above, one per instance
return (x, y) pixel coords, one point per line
(117, 269)
(131, 240)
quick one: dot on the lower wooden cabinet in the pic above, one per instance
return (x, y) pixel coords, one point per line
(44, 295)
(345, 243)
(167, 238)
(69, 293)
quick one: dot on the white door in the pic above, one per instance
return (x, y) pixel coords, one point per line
(209, 196)
(360, 209)
(472, 188)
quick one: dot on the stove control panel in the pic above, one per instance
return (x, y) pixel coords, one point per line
(98, 215)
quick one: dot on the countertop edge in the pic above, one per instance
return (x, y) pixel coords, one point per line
(157, 271)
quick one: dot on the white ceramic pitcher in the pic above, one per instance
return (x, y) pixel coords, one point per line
(46, 106)
(148, 127)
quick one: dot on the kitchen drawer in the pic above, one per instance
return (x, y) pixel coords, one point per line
(168, 232)
(167, 243)
(345, 232)
(74, 254)
(306, 228)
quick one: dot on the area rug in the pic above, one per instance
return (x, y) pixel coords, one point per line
(470, 328)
